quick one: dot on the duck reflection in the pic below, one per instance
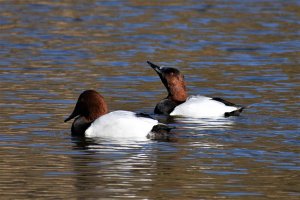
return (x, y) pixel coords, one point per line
(212, 123)
(114, 168)
(110, 168)
(218, 123)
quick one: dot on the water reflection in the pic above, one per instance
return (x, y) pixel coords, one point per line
(113, 144)
(199, 124)
(138, 169)
(120, 166)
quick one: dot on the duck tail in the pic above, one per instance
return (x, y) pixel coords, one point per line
(162, 127)
(161, 132)
(236, 112)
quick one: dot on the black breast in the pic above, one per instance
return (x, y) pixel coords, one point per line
(79, 126)
(165, 107)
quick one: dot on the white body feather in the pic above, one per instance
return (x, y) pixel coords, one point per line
(121, 124)
(202, 107)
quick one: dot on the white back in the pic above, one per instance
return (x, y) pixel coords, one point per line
(121, 124)
(201, 106)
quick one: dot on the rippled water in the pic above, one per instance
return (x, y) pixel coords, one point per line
(245, 51)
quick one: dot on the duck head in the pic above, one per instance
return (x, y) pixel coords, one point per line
(90, 105)
(173, 80)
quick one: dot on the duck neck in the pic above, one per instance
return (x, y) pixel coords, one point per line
(177, 94)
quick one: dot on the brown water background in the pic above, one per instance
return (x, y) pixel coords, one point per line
(247, 52)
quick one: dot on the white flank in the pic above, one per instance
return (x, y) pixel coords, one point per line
(202, 107)
(121, 124)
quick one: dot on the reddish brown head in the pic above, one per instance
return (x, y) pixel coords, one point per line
(90, 105)
(173, 81)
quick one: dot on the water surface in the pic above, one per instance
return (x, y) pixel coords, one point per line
(244, 51)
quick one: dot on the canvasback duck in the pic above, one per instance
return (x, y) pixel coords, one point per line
(177, 103)
(93, 120)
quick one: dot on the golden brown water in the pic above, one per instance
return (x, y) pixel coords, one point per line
(244, 51)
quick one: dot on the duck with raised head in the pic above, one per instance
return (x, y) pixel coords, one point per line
(92, 119)
(177, 103)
